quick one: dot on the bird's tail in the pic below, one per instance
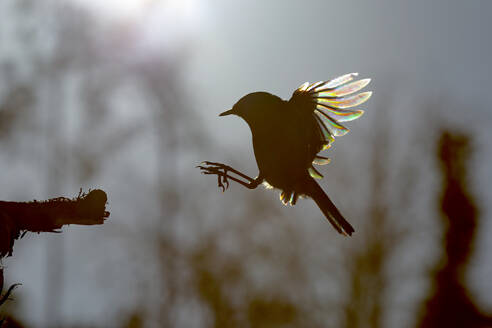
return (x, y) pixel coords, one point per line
(328, 208)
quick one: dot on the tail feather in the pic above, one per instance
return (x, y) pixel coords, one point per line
(329, 209)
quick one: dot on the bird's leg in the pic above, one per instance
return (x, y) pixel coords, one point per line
(222, 177)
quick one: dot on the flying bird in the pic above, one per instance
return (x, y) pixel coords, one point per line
(288, 135)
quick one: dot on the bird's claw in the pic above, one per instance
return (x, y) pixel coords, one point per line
(216, 168)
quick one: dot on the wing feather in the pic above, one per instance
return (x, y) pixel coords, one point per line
(340, 115)
(321, 160)
(330, 102)
(331, 84)
(314, 173)
(344, 90)
(333, 126)
(341, 102)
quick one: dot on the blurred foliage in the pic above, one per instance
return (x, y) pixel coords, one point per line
(216, 286)
(13, 108)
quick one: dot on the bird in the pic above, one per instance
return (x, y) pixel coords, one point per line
(288, 136)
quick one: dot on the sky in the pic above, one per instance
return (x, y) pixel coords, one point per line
(421, 51)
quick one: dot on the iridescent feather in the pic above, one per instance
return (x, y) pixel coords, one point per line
(325, 132)
(293, 198)
(303, 86)
(336, 82)
(314, 173)
(331, 101)
(347, 102)
(344, 90)
(332, 125)
(283, 197)
(321, 160)
(289, 197)
(314, 85)
(340, 115)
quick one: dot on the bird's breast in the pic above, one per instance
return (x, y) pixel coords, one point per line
(281, 153)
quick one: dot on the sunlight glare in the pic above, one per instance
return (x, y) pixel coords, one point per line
(134, 9)
(116, 8)
(142, 29)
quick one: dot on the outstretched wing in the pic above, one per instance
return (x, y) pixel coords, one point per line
(331, 102)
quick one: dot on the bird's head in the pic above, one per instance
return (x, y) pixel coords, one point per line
(254, 107)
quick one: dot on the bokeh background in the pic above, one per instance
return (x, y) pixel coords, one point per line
(124, 96)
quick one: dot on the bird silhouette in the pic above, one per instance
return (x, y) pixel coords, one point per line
(288, 135)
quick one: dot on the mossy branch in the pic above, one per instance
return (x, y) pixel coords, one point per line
(16, 218)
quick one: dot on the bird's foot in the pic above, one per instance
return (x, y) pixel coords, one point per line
(216, 168)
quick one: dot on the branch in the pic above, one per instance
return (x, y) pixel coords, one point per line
(49, 216)
(6, 296)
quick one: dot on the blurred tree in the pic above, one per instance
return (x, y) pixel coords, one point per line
(367, 262)
(46, 115)
(222, 283)
(14, 107)
(449, 304)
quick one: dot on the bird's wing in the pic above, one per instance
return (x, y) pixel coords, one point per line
(330, 101)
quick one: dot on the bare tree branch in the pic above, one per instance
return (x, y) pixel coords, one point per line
(49, 216)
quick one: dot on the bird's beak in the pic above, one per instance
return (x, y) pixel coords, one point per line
(227, 112)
